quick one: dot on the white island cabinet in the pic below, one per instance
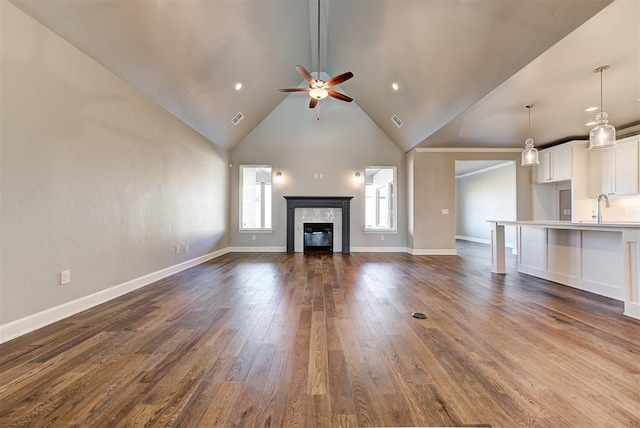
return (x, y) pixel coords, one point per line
(600, 258)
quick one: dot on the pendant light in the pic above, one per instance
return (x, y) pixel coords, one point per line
(530, 153)
(603, 136)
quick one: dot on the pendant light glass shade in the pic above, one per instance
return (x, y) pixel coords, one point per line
(603, 136)
(530, 153)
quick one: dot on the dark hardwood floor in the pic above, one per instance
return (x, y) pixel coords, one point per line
(318, 340)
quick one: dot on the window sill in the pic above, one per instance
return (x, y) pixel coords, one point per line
(385, 231)
(254, 231)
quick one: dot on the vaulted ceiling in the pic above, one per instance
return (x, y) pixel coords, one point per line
(465, 69)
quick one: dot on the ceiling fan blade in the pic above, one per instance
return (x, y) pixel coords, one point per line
(313, 103)
(295, 90)
(303, 71)
(339, 96)
(339, 79)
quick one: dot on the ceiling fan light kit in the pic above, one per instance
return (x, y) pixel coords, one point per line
(319, 89)
(603, 135)
(530, 153)
(318, 93)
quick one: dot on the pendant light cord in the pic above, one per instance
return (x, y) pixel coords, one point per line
(601, 108)
(529, 107)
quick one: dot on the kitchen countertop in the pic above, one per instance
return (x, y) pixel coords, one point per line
(605, 226)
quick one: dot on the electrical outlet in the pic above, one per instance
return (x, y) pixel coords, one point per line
(177, 249)
(445, 211)
(382, 237)
(186, 248)
(65, 277)
(253, 237)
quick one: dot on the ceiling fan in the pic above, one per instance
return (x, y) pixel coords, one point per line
(319, 89)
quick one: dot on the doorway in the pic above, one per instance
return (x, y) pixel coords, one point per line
(485, 190)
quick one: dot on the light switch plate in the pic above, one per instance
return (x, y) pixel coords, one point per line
(65, 277)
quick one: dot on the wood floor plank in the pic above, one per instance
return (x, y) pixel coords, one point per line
(270, 403)
(282, 340)
(243, 412)
(318, 361)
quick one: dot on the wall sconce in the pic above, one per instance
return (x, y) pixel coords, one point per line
(279, 178)
(356, 177)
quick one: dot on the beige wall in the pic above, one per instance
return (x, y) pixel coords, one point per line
(433, 180)
(95, 177)
(410, 196)
(342, 142)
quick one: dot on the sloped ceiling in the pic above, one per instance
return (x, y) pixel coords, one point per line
(448, 57)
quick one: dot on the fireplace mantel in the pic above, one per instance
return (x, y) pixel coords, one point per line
(342, 202)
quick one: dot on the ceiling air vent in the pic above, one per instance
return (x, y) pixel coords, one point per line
(395, 119)
(237, 118)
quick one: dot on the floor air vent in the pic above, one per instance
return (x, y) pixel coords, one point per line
(237, 118)
(395, 119)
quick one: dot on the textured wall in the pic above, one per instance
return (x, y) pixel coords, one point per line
(95, 177)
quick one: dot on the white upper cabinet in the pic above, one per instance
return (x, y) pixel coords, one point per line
(555, 164)
(615, 171)
(561, 163)
(542, 173)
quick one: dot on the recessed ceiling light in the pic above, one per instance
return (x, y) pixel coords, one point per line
(590, 123)
(238, 86)
(395, 86)
(591, 108)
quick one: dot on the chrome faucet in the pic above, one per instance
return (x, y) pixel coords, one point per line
(599, 207)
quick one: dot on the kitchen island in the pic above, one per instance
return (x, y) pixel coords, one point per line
(600, 258)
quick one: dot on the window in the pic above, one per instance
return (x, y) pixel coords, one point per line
(255, 197)
(380, 197)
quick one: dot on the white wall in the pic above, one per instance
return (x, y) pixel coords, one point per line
(342, 142)
(488, 195)
(95, 177)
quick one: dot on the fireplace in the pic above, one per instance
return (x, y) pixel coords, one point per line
(318, 237)
(340, 202)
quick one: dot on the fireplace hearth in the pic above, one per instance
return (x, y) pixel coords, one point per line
(318, 237)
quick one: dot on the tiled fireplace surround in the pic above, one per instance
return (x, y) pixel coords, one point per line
(318, 209)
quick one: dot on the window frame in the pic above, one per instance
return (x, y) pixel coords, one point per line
(393, 206)
(241, 228)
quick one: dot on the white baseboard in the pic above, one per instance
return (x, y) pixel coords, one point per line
(606, 290)
(432, 252)
(632, 310)
(38, 320)
(257, 250)
(483, 241)
(415, 252)
(378, 249)
(472, 239)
